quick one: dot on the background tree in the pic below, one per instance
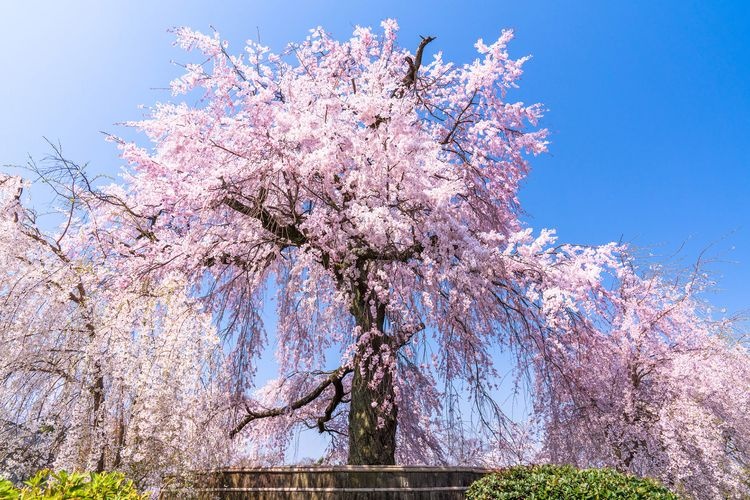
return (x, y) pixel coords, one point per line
(95, 376)
(659, 390)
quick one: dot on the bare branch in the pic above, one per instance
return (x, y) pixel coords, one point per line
(411, 76)
(334, 378)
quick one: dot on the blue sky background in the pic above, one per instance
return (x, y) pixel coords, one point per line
(649, 102)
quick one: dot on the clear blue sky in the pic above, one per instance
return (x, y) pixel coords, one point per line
(649, 101)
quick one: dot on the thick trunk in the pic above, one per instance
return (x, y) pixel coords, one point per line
(372, 427)
(373, 411)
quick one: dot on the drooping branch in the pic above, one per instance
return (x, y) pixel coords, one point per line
(335, 379)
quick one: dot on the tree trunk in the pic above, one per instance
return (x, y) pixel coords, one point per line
(373, 411)
(98, 392)
(372, 431)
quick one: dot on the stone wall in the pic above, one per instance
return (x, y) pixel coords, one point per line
(326, 483)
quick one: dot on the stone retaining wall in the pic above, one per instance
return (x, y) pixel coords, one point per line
(386, 482)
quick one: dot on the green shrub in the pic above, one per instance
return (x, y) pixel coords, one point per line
(7, 490)
(48, 485)
(542, 482)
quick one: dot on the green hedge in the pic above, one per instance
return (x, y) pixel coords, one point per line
(542, 482)
(48, 485)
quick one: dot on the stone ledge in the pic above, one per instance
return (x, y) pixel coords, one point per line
(325, 482)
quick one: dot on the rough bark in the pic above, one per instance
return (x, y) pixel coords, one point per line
(372, 425)
(372, 433)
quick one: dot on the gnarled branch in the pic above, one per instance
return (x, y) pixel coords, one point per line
(410, 79)
(338, 396)
(411, 76)
(335, 379)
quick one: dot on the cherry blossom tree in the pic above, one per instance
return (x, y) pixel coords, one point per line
(377, 189)
(659, 389)
(372, 193)
(95, 377)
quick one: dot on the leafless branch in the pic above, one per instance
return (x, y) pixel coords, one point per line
(334, 379)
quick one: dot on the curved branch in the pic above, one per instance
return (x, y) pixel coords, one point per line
(338, 397)
(334, 378)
